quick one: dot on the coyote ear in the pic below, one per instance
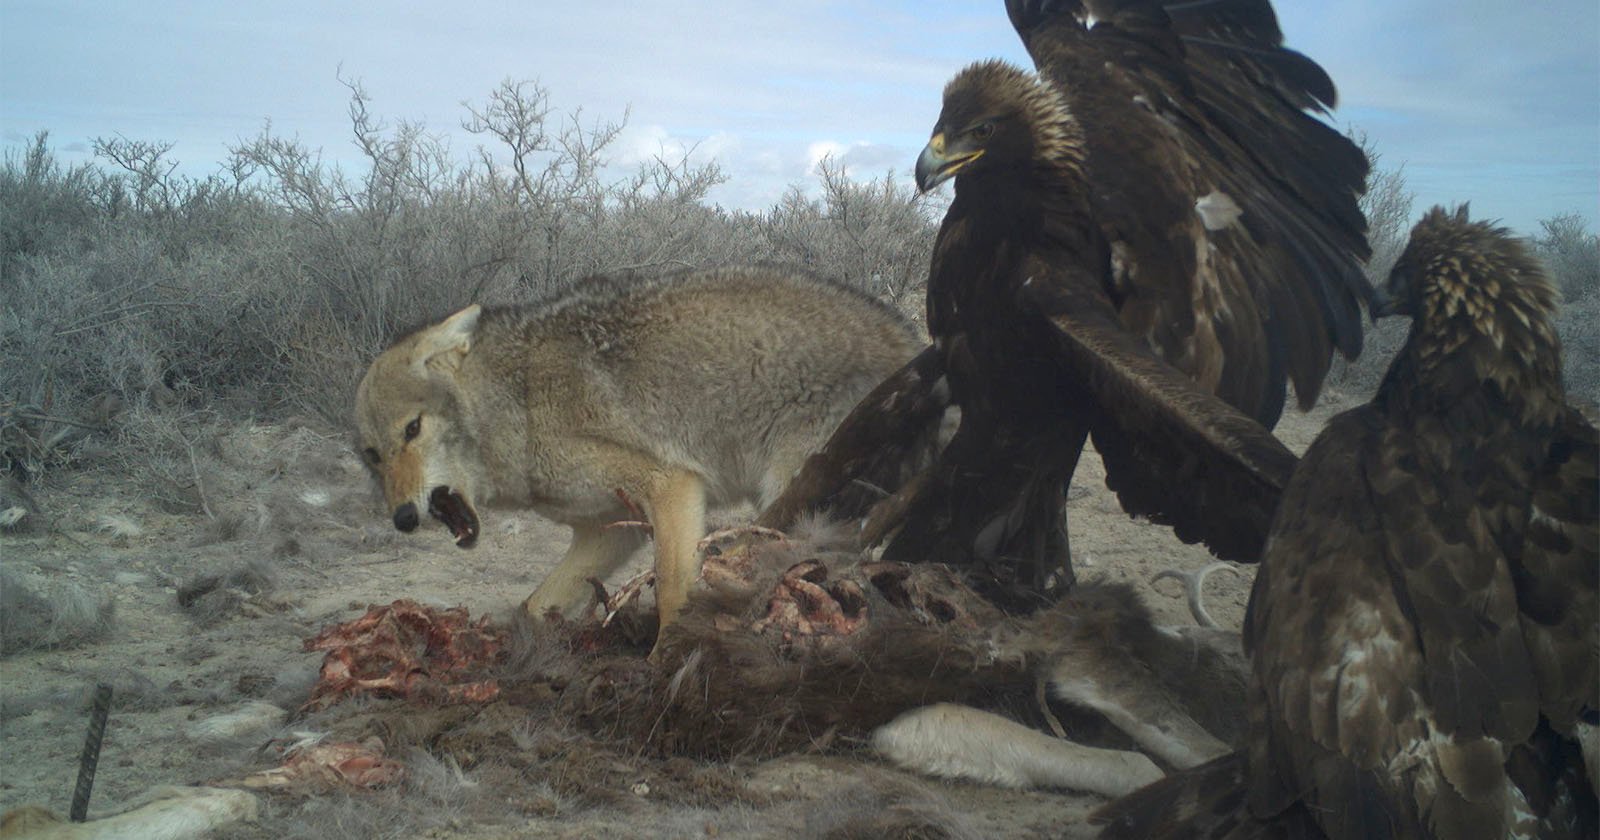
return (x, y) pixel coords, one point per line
(442, 347)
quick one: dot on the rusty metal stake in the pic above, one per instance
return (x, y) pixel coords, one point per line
(91, 752)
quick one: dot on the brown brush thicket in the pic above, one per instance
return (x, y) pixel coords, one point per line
(157, 306)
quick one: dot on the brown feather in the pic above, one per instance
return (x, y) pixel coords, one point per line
(1178, 101)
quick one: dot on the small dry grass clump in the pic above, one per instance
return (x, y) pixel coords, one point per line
(38, 616)
(211, 598)
(18, 511)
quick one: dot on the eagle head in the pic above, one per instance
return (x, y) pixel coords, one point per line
(998, 117)
(1474, 293)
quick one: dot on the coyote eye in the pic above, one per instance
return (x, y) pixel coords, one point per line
(370, 455)
(414, 428)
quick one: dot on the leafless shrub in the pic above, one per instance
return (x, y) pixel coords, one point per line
(174, 460)
(126, 300)
(876, 235)
(1571, 254)
(1579, 326)
(46, 207)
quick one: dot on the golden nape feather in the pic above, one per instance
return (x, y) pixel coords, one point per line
(1484, 302)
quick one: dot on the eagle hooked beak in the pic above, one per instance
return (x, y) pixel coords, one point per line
(936, 165)
(1388, 300)
(1383, 304)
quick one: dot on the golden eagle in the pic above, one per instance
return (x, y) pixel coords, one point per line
(1424, 627)
(1154, 221)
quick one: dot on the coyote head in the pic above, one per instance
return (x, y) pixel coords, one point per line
(413, 432)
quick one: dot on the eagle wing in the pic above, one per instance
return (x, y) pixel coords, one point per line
(1237, 240)
(1157, 430)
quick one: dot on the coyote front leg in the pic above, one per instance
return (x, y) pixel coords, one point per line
(675, 501)
(596, 551)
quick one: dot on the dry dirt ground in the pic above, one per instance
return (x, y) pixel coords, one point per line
(299, 541)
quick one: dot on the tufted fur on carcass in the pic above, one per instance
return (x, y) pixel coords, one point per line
(800, 644)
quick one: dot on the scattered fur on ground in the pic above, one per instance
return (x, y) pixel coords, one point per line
(37, 614)
(219, 529)
(585, 726)
(209, 599)
(118, 526)
(252, 718)
(583, 721)
(348, 553)
(884, 808)
(19, 513)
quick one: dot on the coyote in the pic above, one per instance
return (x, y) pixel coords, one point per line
(619, 397)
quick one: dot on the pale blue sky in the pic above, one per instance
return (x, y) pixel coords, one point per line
(1494, 102)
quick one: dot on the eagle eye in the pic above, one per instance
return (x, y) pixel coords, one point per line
(982, 131)
(370, 455)
(414, 428)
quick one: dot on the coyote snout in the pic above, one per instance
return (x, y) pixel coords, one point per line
(666, 394)
(405, 517)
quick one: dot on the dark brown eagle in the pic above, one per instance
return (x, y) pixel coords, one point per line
(1424, 627)
(1155, 220)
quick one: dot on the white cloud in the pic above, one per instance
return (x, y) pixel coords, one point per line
(822, 149)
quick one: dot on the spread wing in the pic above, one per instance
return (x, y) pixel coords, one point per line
(1236, 237)
(1172, 452)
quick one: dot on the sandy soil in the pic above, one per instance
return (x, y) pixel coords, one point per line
(301, 542)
